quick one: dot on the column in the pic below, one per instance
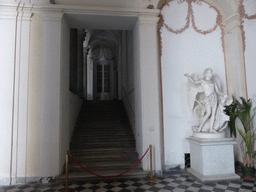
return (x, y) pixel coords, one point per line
(234, 57)
(51, 113)
(147, 90)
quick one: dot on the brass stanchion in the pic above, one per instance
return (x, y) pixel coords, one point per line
(151, 179)
(67, 189)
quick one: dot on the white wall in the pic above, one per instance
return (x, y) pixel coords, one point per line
(187, 52)
(75, 104)
(128, 76)
(147, 91)
(250, 42)
(64, 93)
(69, 104)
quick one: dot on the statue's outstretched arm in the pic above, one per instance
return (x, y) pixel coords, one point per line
(192, 80)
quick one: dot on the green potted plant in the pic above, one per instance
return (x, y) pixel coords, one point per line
(241, 120)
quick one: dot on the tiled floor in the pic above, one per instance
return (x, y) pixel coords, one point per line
(178, 181)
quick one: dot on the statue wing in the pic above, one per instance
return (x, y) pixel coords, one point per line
(194, 91)
(217, 81)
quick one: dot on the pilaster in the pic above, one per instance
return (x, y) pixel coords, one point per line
(234, 57)
(20, 115)
(8, 15)
(147, 89)
(14, 38)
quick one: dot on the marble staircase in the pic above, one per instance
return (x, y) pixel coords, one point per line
(103, 142)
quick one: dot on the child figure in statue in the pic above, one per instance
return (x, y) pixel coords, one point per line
(209, 103)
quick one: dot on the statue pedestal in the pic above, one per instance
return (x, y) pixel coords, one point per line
(212, 159)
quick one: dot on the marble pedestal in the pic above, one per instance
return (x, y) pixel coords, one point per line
(212, 159)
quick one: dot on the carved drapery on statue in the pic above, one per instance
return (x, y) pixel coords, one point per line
(206, 101)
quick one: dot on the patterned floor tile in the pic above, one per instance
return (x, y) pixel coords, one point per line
(178, 182)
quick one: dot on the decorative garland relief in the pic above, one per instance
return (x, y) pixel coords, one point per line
(190, 17)
(242, 12)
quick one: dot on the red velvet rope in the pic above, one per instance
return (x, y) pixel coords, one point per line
(111, 176)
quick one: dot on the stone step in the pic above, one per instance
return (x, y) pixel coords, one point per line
(95, 128)
(106, 160)
(105, 150)
(104, 165)
(101, 139)
(108, 133)
(98, 146)
(103, 142)
(102, 155)
(101, 135)
(107, 141)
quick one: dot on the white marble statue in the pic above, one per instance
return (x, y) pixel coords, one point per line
(207, 102)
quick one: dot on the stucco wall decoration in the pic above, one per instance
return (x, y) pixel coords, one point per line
(243, 16)
(247, 16)
(189, 19)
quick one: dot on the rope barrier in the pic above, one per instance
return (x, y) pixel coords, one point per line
(111, 176)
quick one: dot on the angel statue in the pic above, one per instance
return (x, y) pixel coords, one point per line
(207, 101)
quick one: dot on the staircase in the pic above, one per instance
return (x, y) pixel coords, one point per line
(103, 142)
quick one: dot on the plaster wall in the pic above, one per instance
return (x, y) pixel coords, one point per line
(75, 104)
(128, 80)
(147, 90)
(64, 94)
(70, 104)
(250, 42)
(186, 52)
(137, 94)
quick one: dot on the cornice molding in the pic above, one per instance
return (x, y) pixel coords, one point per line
(16, 11)
(52, 15)
(24, 12)
(8, 11)
(93, 10)
(143, 20)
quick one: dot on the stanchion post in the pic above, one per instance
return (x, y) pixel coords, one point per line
(67, 156)
(151, 179)
(66, 188)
